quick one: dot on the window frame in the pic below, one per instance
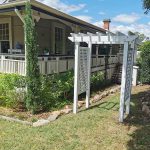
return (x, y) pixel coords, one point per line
(7, 21)
(59, 37)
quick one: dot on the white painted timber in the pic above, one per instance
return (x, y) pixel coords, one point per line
(83, 69)
(123, 82)
(130, 74)
(76, 78)
(100, 39)
(135, 75)
(88, 75)
(52, 64)
(129, 43)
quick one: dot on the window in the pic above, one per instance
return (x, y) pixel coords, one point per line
(58, 40)
(4, 32)
(4, 38)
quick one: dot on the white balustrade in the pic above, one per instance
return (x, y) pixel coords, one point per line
(53, 64)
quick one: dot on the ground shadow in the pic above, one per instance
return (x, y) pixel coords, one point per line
(114, 106)
(140, 139)
(107, 106)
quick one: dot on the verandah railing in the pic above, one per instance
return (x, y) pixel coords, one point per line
(55, 64)
(12, 64)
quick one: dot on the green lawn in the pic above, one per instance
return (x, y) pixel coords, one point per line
(93, 129)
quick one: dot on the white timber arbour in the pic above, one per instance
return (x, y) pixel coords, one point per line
(82, 70)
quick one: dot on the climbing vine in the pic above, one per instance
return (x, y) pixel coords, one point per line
(33, 100)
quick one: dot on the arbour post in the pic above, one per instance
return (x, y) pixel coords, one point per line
(89, 76)
(123, 82)
(76, 77)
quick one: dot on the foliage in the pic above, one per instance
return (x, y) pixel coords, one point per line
(97, 80)
(141, 36)
(33, 101)
(144, 62)
(10, 96)
(57, 89)
(146, 5)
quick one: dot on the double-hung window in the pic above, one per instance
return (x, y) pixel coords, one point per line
(4, 37)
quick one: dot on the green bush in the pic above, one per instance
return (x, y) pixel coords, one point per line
(144, 62)
(12, 90)
(97, 79)
(57, 89)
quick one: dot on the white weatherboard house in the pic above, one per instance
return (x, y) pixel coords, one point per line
(56, 51)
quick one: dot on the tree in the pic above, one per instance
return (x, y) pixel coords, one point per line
(146, 5)
(145, 62)
(140, 35)
(33, 101)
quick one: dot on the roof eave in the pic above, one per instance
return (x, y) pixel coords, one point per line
(44, 8)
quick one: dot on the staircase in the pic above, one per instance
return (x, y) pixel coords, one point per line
(116, 78)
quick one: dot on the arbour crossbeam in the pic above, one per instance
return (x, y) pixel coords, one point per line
(99, 38)
(83, 78)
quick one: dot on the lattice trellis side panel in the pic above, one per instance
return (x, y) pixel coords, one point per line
(83, 69)
(129, 70)
(126, 83)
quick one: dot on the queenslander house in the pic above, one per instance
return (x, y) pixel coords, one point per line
(56, 51)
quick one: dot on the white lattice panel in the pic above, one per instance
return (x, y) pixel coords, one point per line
(83, 69)
(128, 74)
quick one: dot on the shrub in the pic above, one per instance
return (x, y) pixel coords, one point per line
(144, 62)
(57, 89)
(10, 96)
(98, 81)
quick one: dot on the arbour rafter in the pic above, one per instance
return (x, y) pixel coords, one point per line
(99, 38)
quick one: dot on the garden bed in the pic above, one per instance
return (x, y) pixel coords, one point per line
(28, 116)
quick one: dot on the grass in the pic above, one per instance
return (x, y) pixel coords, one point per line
(94, 129)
